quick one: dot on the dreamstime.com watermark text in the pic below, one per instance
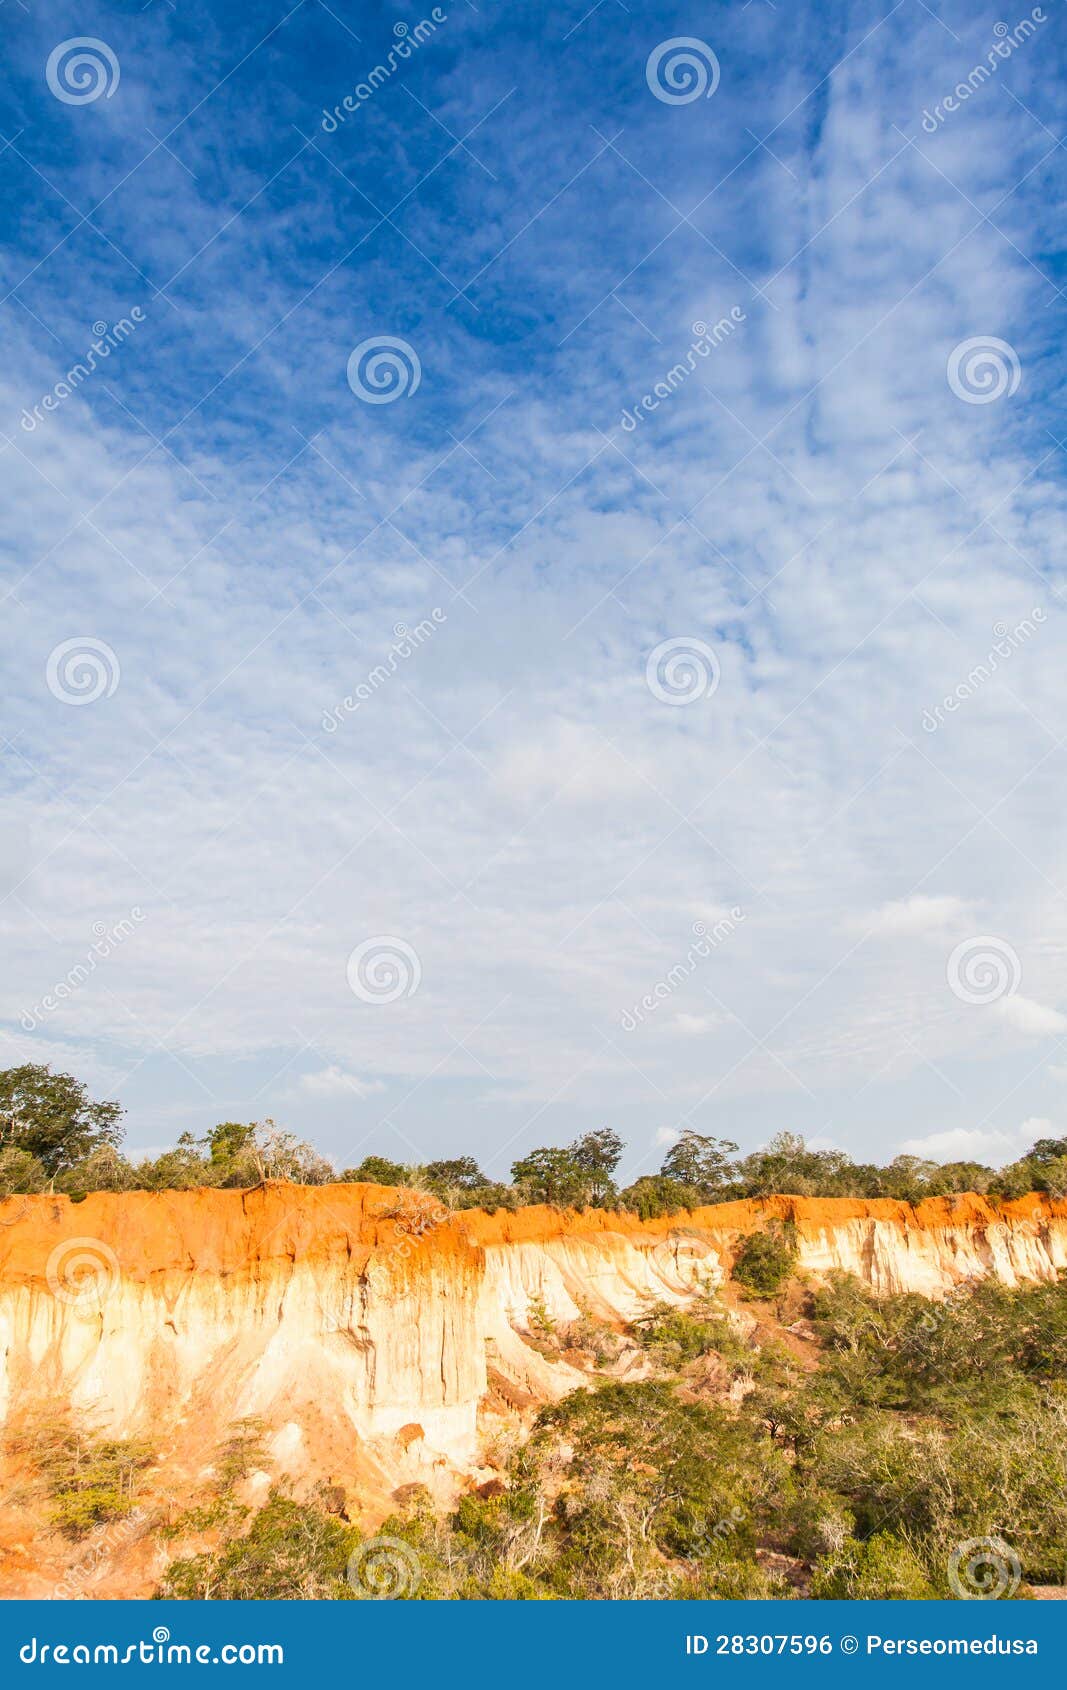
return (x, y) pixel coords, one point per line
(406, 642)
(407, 42)
(158, 1650)
(1007, 640)
(705, 941)
(107, 340)
(705, 342)
(1006, 43)
(106, 941)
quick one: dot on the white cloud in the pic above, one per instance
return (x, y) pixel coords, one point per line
(696, 1023)
(963, 1144)
(568, 762)
(915, 916)
(335, 1082)
(1028, 1016)
(1035, 1127)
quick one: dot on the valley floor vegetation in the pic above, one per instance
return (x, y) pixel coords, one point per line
(853, 1464)
(54, 1137)
(835, 1446)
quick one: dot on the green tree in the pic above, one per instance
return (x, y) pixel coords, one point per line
(641, 1486)
(1047, 1150)
(179, 1169)
(701, 1161)
(951, 1178)
(907, 1178)
(598, 1155)
(551, 1175)
(462, 1173)
(1051, 1176)
(52, 1117)
(103, 1170)
(653, 1195)
(242, 1153)
(1016, 1180)
(89, 1478)
(787, 1165)
(377, 1170)
(229, 1144)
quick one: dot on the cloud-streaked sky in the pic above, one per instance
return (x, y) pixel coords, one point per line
(826, 508)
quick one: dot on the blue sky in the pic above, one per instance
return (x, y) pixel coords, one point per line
(826, 507)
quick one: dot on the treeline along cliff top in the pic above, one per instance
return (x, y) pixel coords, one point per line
(55, 1137)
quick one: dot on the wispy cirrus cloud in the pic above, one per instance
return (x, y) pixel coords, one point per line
(814, 503)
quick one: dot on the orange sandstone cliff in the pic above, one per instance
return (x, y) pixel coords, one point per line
(370, 1330)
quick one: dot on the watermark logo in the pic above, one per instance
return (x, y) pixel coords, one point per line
(81, 670)
(82, 70)
(159, 1651)
(384, 969)
(984, 1569)
(82, 1272)
(682, 70)
(983, 969)
(682, 670)
(983, 369)
(384, 1569)
(384, 368)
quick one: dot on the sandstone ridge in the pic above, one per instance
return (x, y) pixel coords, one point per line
(371, 1331)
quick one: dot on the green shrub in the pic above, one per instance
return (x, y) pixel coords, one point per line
(657, 1194)
(765, 1261)
(20, 1172)
(676, 1336)
(239, 1455)
(90, 1479)
(885, 1568)
(292, 1551)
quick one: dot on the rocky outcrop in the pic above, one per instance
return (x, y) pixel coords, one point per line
(347, 1315)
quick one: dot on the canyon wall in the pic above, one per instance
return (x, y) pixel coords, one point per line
(369, 1330)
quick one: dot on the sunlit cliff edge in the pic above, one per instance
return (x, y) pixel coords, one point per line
(377, 1349)
(312, 1301)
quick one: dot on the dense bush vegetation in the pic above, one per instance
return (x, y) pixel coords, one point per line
(292, 1551)
(89, 1479)
(737, 1471)
(766, 1260)
(53, 1137)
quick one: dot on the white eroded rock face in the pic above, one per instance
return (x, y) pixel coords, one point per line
(290, 1343)
(931, 1261)
(370, 1356)
(609, 1277)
